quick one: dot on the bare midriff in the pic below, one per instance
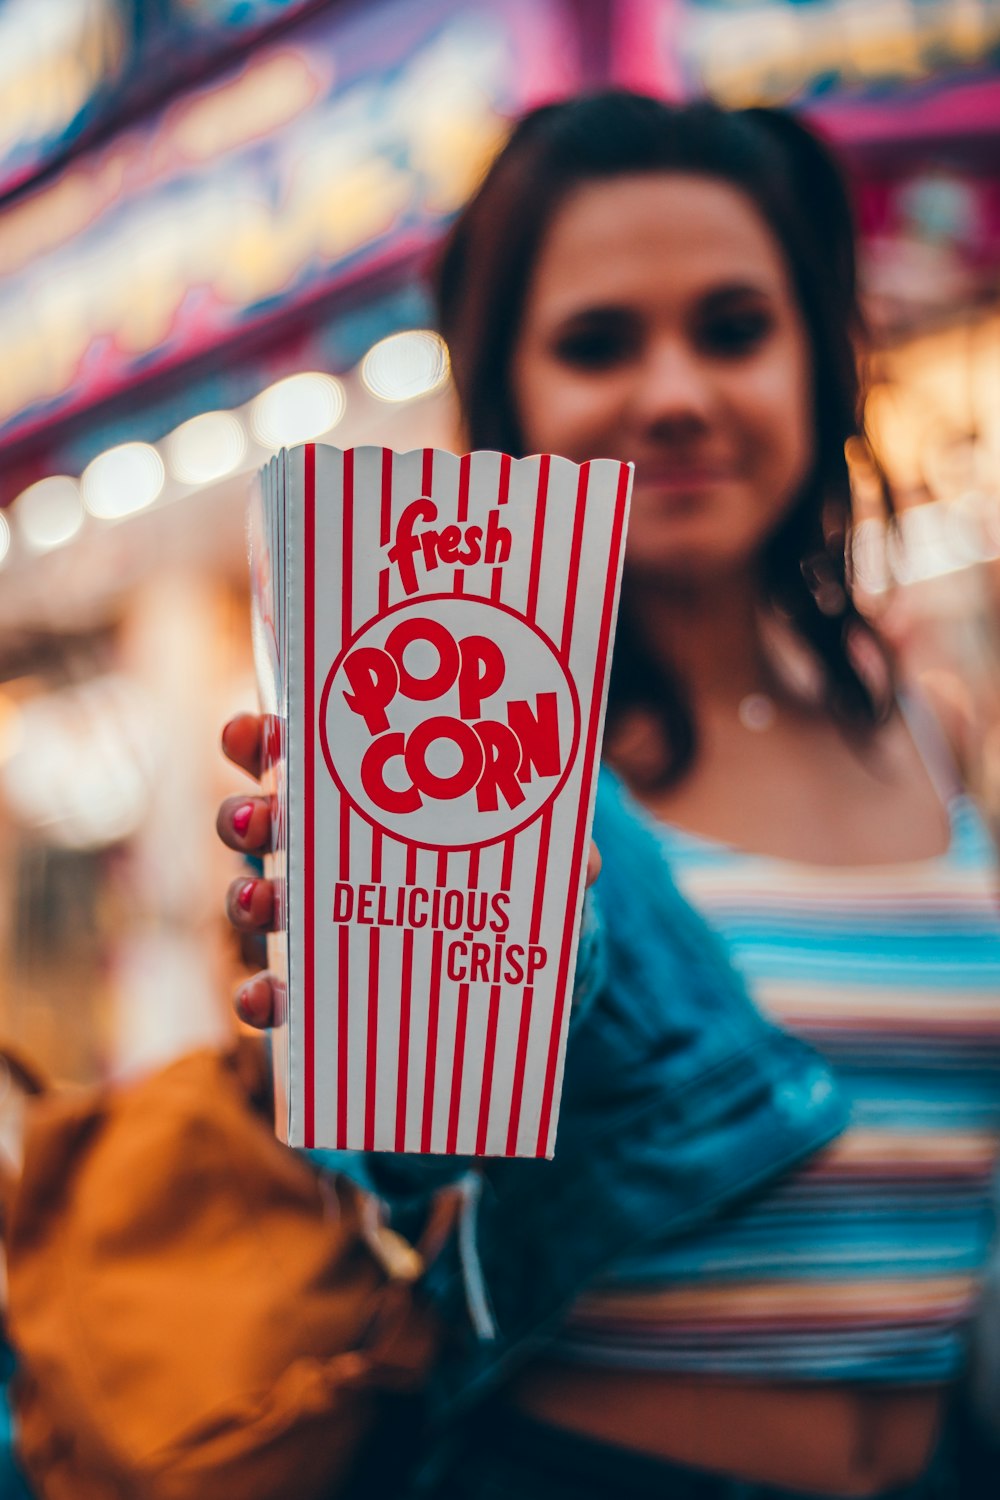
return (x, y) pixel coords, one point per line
(830, 1440)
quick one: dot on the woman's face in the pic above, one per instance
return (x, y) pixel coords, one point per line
(661, 326)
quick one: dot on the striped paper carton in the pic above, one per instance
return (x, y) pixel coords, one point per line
(433, 636)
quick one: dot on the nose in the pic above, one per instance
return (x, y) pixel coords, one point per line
(673, 389)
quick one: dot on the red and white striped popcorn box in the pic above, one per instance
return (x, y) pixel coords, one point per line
(433, 637)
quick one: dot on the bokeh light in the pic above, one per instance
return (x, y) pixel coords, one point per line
(49, 513)
(4, 539)
(123, 480)
(11, 730)
(406, 365)
(80, 763)
(206, 448)
(297, 409)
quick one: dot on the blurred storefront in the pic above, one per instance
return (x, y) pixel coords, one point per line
(214, 216)
(211, 244)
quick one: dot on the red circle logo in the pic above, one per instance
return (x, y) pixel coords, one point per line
(449, 721)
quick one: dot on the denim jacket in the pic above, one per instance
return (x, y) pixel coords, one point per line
(679, 1099)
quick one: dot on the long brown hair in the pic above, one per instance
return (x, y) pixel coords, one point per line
(481, 279)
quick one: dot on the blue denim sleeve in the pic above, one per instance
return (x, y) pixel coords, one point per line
(591, 959)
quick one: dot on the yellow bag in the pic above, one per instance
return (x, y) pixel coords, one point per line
(196, 1313)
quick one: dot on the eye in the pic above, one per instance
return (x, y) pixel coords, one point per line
(595, 346)
(730, 334)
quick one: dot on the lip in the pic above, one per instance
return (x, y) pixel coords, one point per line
(681, 477)
(680, 486)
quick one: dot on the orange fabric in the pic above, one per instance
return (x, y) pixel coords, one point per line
(194, 1312)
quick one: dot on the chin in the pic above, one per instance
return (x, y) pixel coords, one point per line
(685, 560)
(682, 551)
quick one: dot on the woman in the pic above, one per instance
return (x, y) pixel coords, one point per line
(676, 286)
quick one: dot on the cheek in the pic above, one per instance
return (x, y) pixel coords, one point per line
(559, 414)
(534, 407)
(778, 413)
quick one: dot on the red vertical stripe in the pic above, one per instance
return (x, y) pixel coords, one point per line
(374, 937)
(576, 547)
(405, 1010)
(343, 981)
(385, 525)
(430, 1068)
(433, 1017)
(503, 495)
(458, 580)
(590, 750)
(536, 543)
(371, 1057)
(371, 1046)
(507, 867)
(491, 1031)
(503, 492)
(489, 1061)
(464, 465)
(458, 1066)
(520, 1061)
(309, 777)
(347, 549)
(385, 513)
(427, 471)
(344, 840)
(544, 835)
(343, 965)
(405, 1002)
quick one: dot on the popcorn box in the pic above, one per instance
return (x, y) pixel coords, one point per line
(433, 635)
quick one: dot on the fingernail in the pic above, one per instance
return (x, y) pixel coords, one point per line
(244, 1008)
(244, 896)
(242, 816)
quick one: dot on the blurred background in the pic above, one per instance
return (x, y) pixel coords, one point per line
(213, 219)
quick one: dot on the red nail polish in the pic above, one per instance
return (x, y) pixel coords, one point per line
(244, 1008)
(241, 818)
(244, 896)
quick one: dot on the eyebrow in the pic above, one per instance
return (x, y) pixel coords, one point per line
(734, 290)
(730, 291)
(713, 300)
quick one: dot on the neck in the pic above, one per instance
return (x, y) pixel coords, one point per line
(710, 636)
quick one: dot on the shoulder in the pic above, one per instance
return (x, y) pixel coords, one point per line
(947, 699)
(940, 713)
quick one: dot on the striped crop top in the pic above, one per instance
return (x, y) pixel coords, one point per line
(863, 1265)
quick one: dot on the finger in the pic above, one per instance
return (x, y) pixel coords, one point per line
(244, 824)
(252, 949)
(254, 1001)
(242, 739)
(250, 904)
(593, 863)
